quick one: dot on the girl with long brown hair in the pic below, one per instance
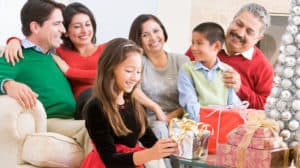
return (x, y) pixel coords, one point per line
(115, 120)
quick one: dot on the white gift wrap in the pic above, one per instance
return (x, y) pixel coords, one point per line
(186, 145)
(192, 146)
(192, 142)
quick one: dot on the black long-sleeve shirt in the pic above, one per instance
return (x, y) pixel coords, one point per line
(105, 139)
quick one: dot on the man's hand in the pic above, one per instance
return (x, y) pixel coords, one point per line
(232, 79)
(22, 93)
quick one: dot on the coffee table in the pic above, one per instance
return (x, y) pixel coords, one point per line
(210, 162)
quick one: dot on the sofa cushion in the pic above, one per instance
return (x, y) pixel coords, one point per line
(51, 150)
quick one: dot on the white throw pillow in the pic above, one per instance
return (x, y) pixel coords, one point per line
(51, 150)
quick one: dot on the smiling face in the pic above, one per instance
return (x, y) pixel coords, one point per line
(128, 73)
(48, 35)
(80, 30)
(243, 33)
(153, 38)
(203, 51)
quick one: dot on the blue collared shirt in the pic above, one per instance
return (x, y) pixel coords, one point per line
(188, 98)
(28, 44)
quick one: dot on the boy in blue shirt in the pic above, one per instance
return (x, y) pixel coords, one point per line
(200, 82)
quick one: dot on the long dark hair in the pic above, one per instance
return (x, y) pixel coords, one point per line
(68, 13)
(135, 33)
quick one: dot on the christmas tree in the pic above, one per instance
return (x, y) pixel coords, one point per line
(283, 104)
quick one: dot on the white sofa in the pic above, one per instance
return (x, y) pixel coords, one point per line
(25, 142)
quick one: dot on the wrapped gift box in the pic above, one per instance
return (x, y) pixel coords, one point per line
(296, 155)
(191, 137)
(255, 158)
(256, 144)
(222, 120)
(261, 132)
(258, 141)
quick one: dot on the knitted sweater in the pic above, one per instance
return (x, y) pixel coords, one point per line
(212, 92)
(160, 84)
(199, 86)
(42, 75)
(82, 69)
(256, 75)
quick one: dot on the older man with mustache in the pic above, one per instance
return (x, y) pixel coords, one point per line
(253, 75)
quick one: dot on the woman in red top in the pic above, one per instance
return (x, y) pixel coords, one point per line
(79, 50)
(78, 55)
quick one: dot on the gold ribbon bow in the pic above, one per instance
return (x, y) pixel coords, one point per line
(256, 119)
(187, 125)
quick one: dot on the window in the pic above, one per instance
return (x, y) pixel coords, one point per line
(272, 39)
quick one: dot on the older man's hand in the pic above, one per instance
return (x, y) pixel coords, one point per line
(232, 79)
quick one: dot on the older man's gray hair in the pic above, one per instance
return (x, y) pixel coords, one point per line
(259, 12)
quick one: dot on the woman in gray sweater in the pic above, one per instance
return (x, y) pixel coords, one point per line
(159, 80)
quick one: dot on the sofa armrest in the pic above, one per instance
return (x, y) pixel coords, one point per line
(15, 124)
(52, 150)
(13, 116)
(40, 117)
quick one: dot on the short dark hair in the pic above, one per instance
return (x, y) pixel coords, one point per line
(38, 11)
(69, 12)
(135, 33)
(212, 31)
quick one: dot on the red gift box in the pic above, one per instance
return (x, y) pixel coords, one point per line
(224, 118)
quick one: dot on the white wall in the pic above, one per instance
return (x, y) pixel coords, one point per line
(113, 17)
(10, 19)
(223, 13)
(176, 17)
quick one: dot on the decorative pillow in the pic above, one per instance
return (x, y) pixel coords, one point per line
(51, 150)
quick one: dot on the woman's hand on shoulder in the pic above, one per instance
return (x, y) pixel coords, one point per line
(12, 51)
(64, 67)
